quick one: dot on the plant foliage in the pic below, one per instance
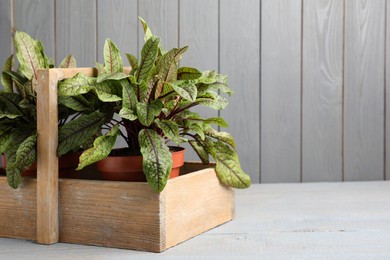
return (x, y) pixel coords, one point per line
(18, 102)
(153, 103)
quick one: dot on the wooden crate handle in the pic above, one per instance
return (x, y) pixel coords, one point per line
(47, 171)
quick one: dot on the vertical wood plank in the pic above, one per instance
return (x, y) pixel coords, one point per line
(240, 60)
(76, 31)
(47, 171)
(36, 17)
(281, 95)
(364, 90)
(117, 20)
(322, 90)
(162, 18)
(387, 101)
(199, 30)
(6, 32)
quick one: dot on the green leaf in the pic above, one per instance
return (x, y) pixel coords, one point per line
(112, 76)
(197, 128)
(10, 102)
(6, 79)
(187, 91)
(76, 103)
(221, 83)
(167, 67)
(148, 57)
(26, 155)
(129, 96)
(112, 57)
(29, 56)
(157, 159)
(106, 91)
(170, 129)
(101, 148)
(13, 176)
(200, 151)
(19, 80)
(228, 167)
(187, 73)
(79, 84)
(133, 61)
(146, 112)
(6, 137)
(69, 62)
(74, 133)
(147, 32)
(214, 101)
(127, 113)
(212, 120)
(6, 114)
(222, 136)
(208, 77)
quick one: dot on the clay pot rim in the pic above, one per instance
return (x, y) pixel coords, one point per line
(173, 150)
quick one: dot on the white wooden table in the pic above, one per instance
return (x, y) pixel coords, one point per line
(284, 221)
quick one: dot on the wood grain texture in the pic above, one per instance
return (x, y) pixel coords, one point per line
(387, 97)
(240, 60)
(281, 95)
(214, 205)
(36, 17)
(76, 31)
(47, 171)
(118, 21)
(322, 90)
(18, 209)
(364, 90)
(6, 33)
(199, 30)
(123, 214)
(162, 18)
(112, 214)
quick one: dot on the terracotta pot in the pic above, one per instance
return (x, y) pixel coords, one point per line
(67, 161)
(129, 168)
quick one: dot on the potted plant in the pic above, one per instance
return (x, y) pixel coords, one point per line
(148, 107)
(18, 107)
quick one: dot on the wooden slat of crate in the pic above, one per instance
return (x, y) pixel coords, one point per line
(195, 203)
(18, 209)
(124, 214)
(112, 214)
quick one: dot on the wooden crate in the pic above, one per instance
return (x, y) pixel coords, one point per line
(122, 214)
(105, 213)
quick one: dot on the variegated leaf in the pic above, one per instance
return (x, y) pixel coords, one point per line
(187, 73)
(74, 133)
(101, 148)
(157, 159)
(6, 79)
(79, 84)
(112, 57)
(146, 112)
(29, 55)
(128, 114)
(69, 62)
(228, 167)
(148, 56)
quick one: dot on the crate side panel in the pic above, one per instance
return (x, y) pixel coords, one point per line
(112, 214)
(196, 203)
(18, 209)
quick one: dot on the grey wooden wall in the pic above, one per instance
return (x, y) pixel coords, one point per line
(310, 76)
